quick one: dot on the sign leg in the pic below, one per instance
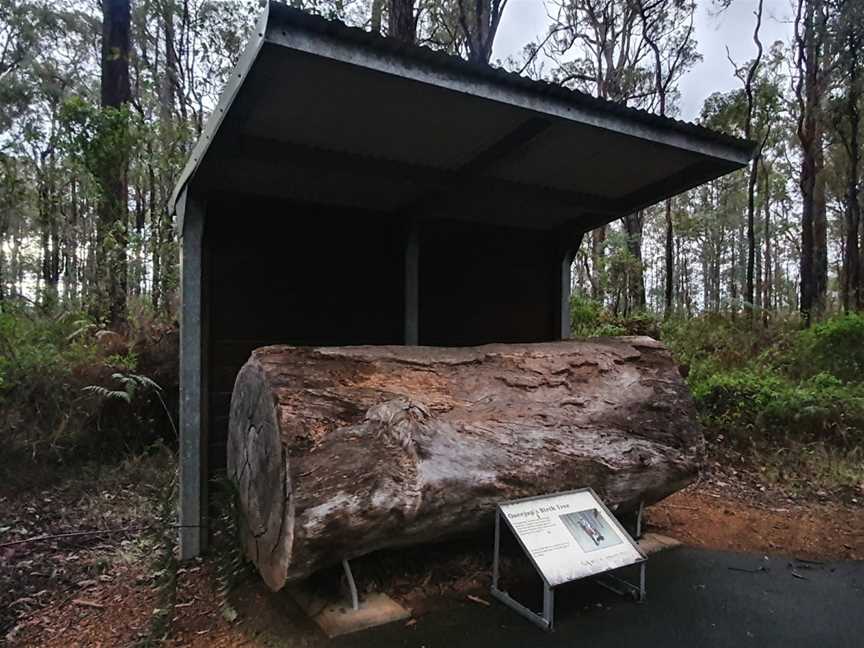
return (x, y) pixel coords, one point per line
(495, 559)
(548, 605)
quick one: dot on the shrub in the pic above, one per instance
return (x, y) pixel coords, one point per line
(752, 406)
(584, 315)
(588, 318)
(714, 342)
(834, 347)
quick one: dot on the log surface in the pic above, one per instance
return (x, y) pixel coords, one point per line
(337, 452)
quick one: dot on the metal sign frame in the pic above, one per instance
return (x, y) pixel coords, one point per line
(546, 618)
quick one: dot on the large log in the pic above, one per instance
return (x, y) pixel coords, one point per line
(337, 452)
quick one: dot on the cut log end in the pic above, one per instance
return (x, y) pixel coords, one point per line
(259, 468)
(337, 452)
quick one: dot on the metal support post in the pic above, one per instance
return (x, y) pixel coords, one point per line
(543, 620)
(355, 602)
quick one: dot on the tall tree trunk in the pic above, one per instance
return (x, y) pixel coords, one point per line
(156, 213)
(113, 225)
(377, 11)
(402, 23)
(766, 299)
(635, 276)
(669, 260)
(479, 20)
(809, 135)
(852, 294)
(70, 265)
(3, 271)
(733, 275)
(49, 229)
(820, 231)
(598, 264)
(860, 262)
(757, 272)
(751, 184)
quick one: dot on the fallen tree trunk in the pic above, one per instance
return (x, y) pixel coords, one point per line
(337, 452)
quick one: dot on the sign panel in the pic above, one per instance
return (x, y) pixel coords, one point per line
(570, 535)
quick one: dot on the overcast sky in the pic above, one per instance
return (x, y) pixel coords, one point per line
(525, 20)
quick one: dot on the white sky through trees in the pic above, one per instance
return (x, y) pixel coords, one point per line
(526, 20)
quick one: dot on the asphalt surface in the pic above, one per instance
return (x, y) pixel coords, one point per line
(695, 598)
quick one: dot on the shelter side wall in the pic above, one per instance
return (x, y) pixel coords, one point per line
(482, 284)
(288, 274)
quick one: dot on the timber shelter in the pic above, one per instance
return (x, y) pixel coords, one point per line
(351, 189)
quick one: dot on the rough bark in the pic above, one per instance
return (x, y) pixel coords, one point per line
(338, 452)
(669, 261)
(808, 90)
(750, 299)
(767, 282)
(402, 24)
(633, 224)
(377, 12)
(479, 20)
(852, 295)
(115, 93)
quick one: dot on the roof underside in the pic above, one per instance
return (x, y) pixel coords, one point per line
(318, 112)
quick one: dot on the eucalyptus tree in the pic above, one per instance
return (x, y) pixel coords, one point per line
(668, 30)
(847, 36)
(633, 52)
(811, 20)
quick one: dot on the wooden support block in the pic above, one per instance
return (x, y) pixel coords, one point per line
(651, 543)
(338, 618)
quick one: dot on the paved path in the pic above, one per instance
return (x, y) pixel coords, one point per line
(696, 598)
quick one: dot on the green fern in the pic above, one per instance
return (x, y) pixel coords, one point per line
(104, 393)
(132, 383)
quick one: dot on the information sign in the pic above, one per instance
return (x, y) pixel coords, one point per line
(567, 536)
(570, 535)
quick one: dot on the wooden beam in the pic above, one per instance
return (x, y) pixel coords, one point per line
(506, 146)
(193, 384)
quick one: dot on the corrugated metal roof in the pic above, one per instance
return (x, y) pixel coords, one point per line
(455, 64)
(305, 84)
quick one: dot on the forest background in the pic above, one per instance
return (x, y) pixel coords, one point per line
(754, 280)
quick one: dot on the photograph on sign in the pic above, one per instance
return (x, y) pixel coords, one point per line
(590, 530)
(570, 535)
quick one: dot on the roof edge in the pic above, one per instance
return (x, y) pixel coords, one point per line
(371, 41)
(283, 25)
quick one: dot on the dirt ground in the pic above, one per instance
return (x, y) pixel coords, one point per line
(101, 590)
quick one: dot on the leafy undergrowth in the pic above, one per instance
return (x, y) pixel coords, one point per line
(792, 399)
(784, 401)
(71, 393)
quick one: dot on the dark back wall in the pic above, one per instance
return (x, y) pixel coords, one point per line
(482, 283)
(287, 274)
(280, 273)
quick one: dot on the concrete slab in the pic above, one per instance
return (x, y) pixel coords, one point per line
(337, 618)
(696, 597)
